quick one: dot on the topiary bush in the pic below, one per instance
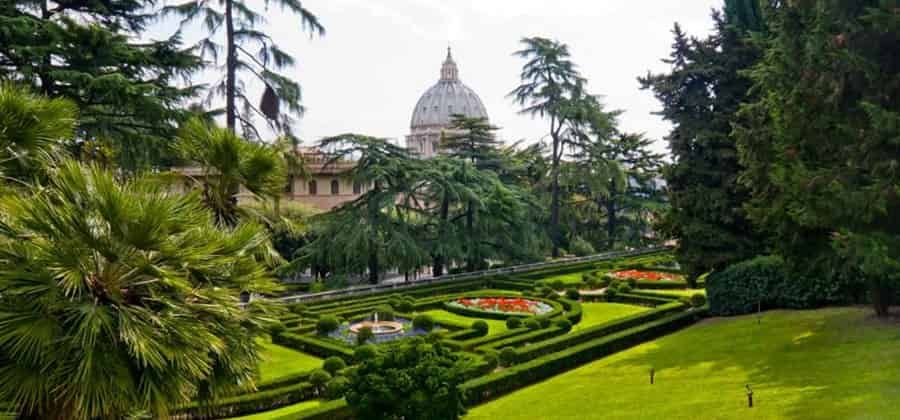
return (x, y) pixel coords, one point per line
(492, 360)
(406, 305)
(318, 378)
(423, 322)
(572, 293)
(564, 324)
(364, 335)
(336, 387)
(364, 352)
(327, 324)
(698, 300)
(557, 285)
(276, 328)
(532, 324)
(481, 327)
(513, 322)
(333, 364)
(611, 293)
(764, 281)
(385, 313)
(508, 356)
(297, 308)
(624, 287)
(543, 320)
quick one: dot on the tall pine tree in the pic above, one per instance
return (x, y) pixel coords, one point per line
(127, 89)
(700, 96)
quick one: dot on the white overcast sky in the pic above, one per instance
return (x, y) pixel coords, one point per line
(378, 56)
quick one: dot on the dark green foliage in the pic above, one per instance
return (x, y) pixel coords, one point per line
(406, 305)
(700, 96)
(564, 324)
(764, 283)
(473, 140)
(333, 364)
(481, 327)
(130, 90)
(543, 320)
(251, 403)
(327, 324)
(508, 356)
(698, 300)
(364, 335)
(336, 387)
(276, 328)
(611, 293)
(363, 353)
(820, 146)
(492, 359)
(572, 293)
(423, 322)
(318, 378)
(513, 322)
(297, 308)
(532, 324)
(624, 287)
(557, 285)
(385, 313)
(411, 380)
(580, 247)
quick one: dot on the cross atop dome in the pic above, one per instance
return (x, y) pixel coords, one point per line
(449, 71)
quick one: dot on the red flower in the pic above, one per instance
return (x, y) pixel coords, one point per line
(644, 275)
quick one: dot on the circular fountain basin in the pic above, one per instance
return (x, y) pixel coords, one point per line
(378, 328)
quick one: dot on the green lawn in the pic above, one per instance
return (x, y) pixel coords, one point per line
(600, 312)
(571, 278)
(673, 292)
(279, 362)
(283, 411)
(827, 364)
(494, 326)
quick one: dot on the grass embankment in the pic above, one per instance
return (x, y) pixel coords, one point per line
(600, 312)
(827, 364)
(279, 362)
(494, 326)
(283, 411)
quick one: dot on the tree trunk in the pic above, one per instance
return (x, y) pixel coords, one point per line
(882, 297)
(373, 263)
(440, 260)
(554, 197)
(230, 66)
(470, 226)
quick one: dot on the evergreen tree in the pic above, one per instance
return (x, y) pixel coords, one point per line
(472, 139)
(820, 147)
(249, 50)
(89, 52)
(700, 96)
(550, 80)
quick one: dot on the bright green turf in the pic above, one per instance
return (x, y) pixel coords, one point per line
(571, 278)
(598, 313)
(827, 364)
(283, 411)
(494, 326)
(279, 362)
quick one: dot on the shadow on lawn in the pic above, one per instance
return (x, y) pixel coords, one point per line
(830, 359)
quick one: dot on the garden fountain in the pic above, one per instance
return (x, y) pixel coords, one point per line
(378, 327)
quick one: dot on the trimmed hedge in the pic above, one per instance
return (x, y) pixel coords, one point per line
(565, 341)
(478, 342)
(765, 281)
(250, 403)
(477, 313)
(331, 410)
(533, 336)
(661, 284)
(314, 346)
(496, 384)
(640, 299)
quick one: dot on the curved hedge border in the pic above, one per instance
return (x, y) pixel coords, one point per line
(313, 346)
(496, 384)
(478, 313)
(533, 336)
(331, 410)
(249, 403)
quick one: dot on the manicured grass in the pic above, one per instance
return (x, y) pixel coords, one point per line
(279, 362)
(571, 278)
(833, 363)
(600, 312)
(494, 326)
(283, 411)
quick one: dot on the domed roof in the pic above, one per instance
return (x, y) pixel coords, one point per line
(449, 96)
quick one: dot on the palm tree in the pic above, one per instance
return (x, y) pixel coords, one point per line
(549, 80)
(120, 297)
(249, 50)
(230, 163)
(32, 129)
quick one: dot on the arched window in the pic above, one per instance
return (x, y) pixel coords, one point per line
(357, 188)
(313, 188)
(335, 187)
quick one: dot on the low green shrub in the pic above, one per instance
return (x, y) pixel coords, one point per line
(491, 359)
(334, 364)
(365, 352)
(532, 324)
(564, 325)
(364, 335)
(543, 320)
(508, 356)
(698, 300)
(327, 325)
(481, 327)
(406, 305)
(513, 322)
(318, 378)
(313, 345)
(581, 247)
(557, 285)
(423, 322)
(331, 410)
(276, 328)
(297, 308)
(385, 313)
(530, 336)
(336, 387)
(624, 287)
(572, 293)
(250, 403)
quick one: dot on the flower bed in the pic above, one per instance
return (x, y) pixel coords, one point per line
(504, 305)
(644, 275)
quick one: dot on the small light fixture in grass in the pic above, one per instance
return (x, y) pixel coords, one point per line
(749, 396)
(652, 374)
